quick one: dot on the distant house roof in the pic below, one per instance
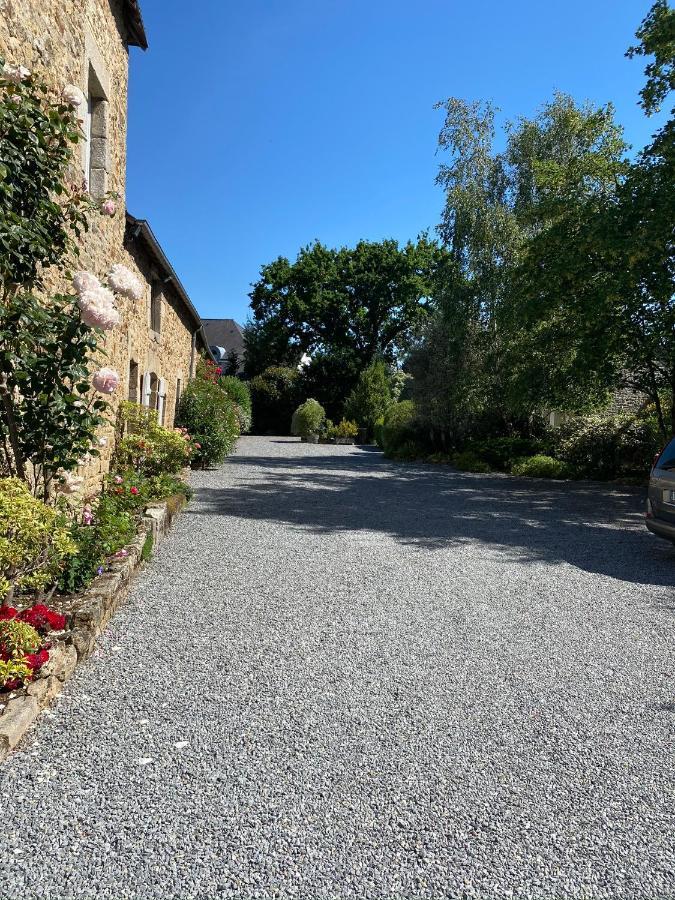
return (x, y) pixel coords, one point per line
(227, 335)
(134, 22)
(139, 229)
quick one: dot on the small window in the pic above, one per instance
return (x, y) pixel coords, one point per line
(156, 307)
(96, 162)
(179, 391)
(133, 381)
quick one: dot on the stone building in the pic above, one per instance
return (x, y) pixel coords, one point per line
(87, 43)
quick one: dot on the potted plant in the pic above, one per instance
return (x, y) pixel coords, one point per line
(345, 432)
(308, 420)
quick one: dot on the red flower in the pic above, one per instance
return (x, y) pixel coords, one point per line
(133, 490)
(42, 618)
(7, 612)
(37, 660)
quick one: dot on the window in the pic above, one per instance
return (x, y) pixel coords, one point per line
(133, 381)
(156, 306)
(96, 151)
(179, 391)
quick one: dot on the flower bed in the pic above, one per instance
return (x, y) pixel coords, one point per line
(67, 633)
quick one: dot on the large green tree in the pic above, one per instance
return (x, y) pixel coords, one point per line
(478, 367)
(360, 302)
(593, 295)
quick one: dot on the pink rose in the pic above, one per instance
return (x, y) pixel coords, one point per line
(108, 208)
(106, 381)
(118, 479)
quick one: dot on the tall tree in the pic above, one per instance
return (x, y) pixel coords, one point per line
(595, 287)
(362, 302)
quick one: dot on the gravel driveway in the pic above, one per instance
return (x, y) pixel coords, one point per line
(342, 677)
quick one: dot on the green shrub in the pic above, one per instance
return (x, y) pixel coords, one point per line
(112, 528)
(274, 396)
(344, 430)
(378, 432)
(501, 452)
(240, 394)
(607, 446)
(35, 542)
(371, 397)
(308, 418)
(162, 486)
(539, 466)
(148, 448)
(398, 426)
(210, 418)
(468, 461)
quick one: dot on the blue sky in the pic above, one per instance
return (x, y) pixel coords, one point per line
(258, 125)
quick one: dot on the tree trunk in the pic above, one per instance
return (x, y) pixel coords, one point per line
(11, 427)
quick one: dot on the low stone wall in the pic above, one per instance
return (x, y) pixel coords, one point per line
(87, 615)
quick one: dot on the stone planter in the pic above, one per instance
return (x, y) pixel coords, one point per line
(344, 440)
(312, 438)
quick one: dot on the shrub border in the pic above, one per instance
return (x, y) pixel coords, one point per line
(87, 614)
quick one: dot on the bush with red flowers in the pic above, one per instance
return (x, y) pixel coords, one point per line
(23, 650)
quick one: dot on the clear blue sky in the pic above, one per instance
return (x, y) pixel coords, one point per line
(258, 125)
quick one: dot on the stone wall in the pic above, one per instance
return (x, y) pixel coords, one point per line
(83, 42)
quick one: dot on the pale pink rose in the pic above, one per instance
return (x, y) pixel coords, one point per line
(106, 380)
(103, 442)
(98, 308)
(15, 74)
(85, 281)
(87, 515)
(123, 281)
(72, 96)
(118, 479)
(108, 208)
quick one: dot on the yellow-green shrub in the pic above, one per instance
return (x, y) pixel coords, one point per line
(14, 671)
(18, 638)
(34, 539)
(344, 429)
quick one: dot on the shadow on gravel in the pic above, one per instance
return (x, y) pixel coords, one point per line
(595, 528)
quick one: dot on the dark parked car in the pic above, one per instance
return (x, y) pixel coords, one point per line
(661, 498)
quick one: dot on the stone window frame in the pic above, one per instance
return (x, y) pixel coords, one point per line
(156, 304)
(134, 383)
(96, 146)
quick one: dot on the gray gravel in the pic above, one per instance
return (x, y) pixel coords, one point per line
(347, 678)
